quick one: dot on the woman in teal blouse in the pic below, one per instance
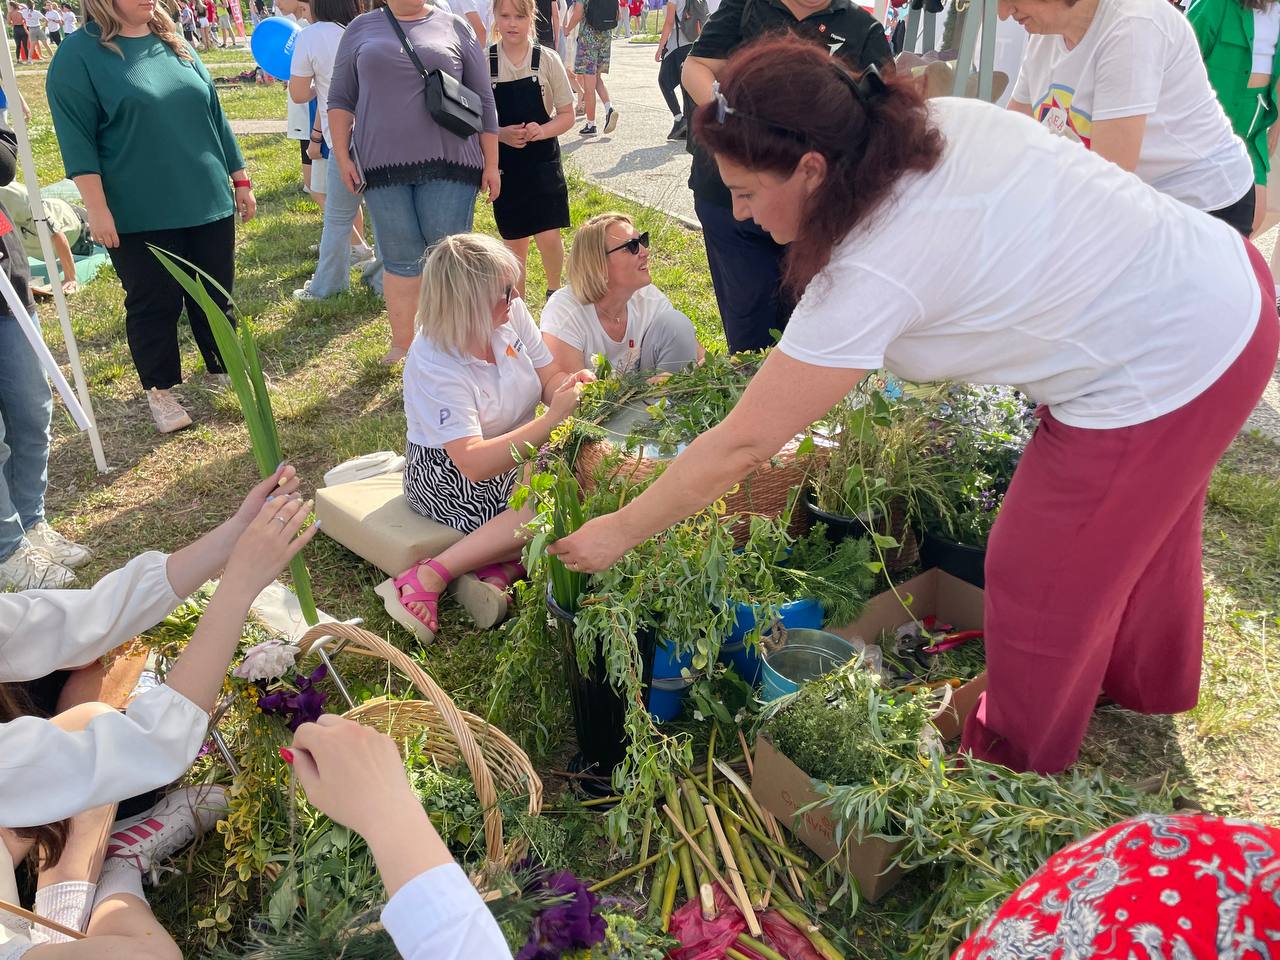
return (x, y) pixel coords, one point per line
(132, 107)
(1238, 40)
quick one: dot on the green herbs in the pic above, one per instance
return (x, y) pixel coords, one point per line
(845, 729)
(882, 461)
(665, 415)
(980, 826)
(838, 575)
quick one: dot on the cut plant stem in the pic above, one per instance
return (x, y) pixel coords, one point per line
(749, 878)
(735, 875)
(683, 857)
(638, 867)
(644, 848)
(756, 947)
(711, 758)
(698, 851)
(669, 894)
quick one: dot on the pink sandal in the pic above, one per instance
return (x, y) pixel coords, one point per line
(396, 600)
(486, 592)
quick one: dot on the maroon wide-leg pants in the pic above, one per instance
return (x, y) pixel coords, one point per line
(1094, 580)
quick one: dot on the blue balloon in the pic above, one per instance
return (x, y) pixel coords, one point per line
(272, 45)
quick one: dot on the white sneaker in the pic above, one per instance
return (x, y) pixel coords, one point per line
(166, 411)
(361, 253)
(610, 120)
(182, 817)
(304, 295)
(57, 547)
(29, 569)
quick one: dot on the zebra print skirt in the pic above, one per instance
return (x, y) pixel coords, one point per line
(435, 488)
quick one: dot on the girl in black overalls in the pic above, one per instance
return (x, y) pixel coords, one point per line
(534, 202)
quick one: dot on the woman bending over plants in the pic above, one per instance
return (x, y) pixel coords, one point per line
(64, 776)
(472, 383)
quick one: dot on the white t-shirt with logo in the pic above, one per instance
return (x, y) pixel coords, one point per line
(577, 324)
(313, 54)
(32, 18)
(1039, 265)
(448, 397)
(1140, 58)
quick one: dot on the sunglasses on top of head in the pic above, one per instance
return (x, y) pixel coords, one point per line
(633, 245)
(508, 294)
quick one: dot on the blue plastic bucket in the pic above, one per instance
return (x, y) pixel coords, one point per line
(744, 658)
(670, 687)
(802, 655)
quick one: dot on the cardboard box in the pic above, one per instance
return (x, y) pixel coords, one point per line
(932, 593)
(782, 788)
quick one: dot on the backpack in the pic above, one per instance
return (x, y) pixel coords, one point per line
(602, 14)
(691, 21)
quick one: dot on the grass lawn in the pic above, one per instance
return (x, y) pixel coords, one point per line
(333, 401)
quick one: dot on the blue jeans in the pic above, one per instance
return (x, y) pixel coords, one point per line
(409, 219)
(333, 269)
(26, 407)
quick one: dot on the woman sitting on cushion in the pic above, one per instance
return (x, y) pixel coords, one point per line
(611, 306)
(473, 379)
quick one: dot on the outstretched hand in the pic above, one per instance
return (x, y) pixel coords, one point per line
(594, 546)
(283, 482)
(270, 541)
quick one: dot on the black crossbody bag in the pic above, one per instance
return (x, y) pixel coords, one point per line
(453, 105)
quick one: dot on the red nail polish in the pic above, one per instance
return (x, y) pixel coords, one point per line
(286, 755)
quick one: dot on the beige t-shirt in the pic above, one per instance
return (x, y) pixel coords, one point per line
(551, 77)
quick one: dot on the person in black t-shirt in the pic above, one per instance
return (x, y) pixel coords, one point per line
(547, 23)
(746, 265)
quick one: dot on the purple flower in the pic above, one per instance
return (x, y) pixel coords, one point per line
(306, 707)
(272, 703)
(569, 925)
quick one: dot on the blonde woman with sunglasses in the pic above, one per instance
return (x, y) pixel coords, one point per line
(611, 307)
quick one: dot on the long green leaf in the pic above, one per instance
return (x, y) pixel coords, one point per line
(244, 366)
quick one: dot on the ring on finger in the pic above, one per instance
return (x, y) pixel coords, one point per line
(283, 521)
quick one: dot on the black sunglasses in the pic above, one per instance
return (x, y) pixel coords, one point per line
(508, 294)
(633, 245)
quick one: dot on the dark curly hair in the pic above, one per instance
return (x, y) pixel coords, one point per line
(796, 98)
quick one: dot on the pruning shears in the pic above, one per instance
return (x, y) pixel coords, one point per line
(919, 641)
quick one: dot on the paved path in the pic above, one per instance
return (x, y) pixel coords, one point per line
(246, 127)
(636, 160)
(1267, 416)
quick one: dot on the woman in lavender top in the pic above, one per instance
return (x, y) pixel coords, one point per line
(421, 180)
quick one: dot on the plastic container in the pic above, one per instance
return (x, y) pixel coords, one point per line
(839, 526)
(744, 657)
(802, 655)
(961, 560)
(598, 709)
(670, 686)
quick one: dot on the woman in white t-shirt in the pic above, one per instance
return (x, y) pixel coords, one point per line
(611, 307)
(1125, 79)
(1146, 330)
(473, 379)
(53, 23)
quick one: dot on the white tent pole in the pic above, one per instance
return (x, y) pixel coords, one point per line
(27, 159)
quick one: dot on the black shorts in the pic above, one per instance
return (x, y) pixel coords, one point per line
(306, 161)
(1238, 214)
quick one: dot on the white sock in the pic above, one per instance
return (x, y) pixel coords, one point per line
(607, 106)
(118, 876)
(679, 117)
(66, 903)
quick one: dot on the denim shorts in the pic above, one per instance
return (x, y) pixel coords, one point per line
(409, 219)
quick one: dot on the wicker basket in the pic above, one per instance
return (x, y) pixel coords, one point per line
(763, 492)
(493, 758)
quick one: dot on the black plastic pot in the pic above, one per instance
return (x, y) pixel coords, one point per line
(958, 559)
(839, 526)
(599, 710)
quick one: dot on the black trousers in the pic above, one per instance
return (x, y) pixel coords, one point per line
(746, 272)
(21, 43)
(1240, 213)
(153, 300)
(56, 37)
(669, 76)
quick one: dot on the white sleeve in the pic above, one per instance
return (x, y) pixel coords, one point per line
(301, 65)
(522, 321)
(1021, 88)
(848, 316)
(46, 630)
(439, 916)
(561, 318)
(442, 410)
(1130, 64)
(48, 774)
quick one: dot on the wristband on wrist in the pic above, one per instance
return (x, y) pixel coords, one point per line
(246, 182)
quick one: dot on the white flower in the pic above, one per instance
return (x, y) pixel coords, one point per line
(1170, 898)
(266, 661)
